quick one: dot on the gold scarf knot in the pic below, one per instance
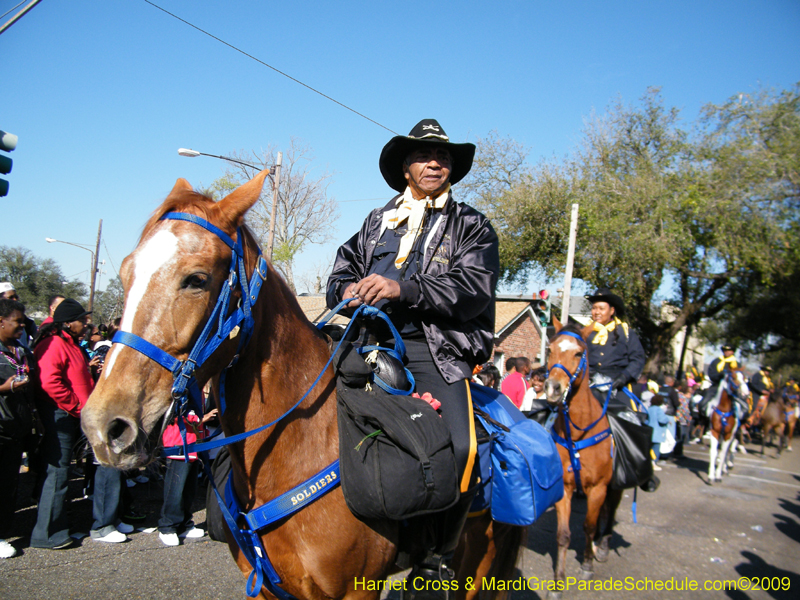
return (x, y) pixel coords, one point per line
(412, 210)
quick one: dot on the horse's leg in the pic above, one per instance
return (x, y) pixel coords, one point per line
(732, 450)
(595, 498)
(486, 549)
(712, 456)
(609, 513)
(563, 508)
(722, 466)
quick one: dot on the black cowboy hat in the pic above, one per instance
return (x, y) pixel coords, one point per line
(766, 368)
(427, 132)
(727, 347)
(69, 310)
(605, 295)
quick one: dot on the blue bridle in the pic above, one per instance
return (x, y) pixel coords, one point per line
(222, 324)
(581, 368)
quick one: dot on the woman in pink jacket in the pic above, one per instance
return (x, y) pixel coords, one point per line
(66, 383)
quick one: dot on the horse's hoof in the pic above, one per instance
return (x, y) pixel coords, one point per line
(552, 595)
(585, 575)
(601, 553)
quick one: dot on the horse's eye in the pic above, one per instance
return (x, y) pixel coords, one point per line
(195, 281)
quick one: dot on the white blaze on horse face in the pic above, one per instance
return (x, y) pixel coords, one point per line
(157, 252)
(567, 343)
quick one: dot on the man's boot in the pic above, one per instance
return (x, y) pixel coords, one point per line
(434, 573)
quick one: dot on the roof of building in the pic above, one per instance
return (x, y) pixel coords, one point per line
(508, 308)
(315, 308)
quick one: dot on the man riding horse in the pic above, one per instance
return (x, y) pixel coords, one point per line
(717, 370)
(431, 264)
(761, 385)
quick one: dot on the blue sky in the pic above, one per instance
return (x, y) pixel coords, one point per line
(103, 93)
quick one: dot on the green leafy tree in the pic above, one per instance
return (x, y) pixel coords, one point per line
(37, 279)
(108, 304)
(702, 210)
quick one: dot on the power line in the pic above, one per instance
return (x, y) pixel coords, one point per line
(111, 260)
(221, 41)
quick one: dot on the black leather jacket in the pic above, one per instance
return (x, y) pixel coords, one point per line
(454, 291)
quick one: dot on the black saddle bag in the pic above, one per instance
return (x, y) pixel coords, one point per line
(395, 452)
(632, 442)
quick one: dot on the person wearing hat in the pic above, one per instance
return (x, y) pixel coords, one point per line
(716, 372)
(760, 382)
(431, 264)
(791, 400)
(7, 290)
(66, 382)
(614, 350)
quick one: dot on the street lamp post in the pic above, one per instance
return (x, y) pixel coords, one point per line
(276, 171)
(94, 254)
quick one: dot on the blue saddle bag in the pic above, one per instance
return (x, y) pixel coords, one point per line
(526, 473)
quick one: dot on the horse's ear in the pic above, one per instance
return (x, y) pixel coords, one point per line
(233, 207)
(558, 325)
(586, 331)
(181, 186)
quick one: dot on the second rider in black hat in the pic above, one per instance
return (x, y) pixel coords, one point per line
(432, 265)
(614, 349)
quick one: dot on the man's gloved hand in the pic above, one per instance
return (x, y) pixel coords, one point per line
(619, 382)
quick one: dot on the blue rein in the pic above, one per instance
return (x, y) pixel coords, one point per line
(573, 447)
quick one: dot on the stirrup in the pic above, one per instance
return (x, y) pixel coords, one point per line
(437, 577)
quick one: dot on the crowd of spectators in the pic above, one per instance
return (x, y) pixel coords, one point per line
(46, 376)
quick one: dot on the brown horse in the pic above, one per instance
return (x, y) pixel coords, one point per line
(723, 423)
(790, 410)
(172, 281)
(580, 418)
(774, 420)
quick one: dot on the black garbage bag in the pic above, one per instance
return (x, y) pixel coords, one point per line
(632, 442)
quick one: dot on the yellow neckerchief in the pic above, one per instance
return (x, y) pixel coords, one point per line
(602, 330)
(413, 210)
(727, 362)
(766, 381)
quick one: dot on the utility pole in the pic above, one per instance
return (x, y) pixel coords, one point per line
(94, 266)
(275, 187)
(573, 232)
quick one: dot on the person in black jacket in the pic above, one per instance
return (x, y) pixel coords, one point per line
(615, 352)
(431, 264)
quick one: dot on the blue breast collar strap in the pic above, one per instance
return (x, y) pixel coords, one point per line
(249, 540)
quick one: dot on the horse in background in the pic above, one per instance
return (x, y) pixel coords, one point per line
(580, 419)
(173, 280)
(774, 421)
(723, 423)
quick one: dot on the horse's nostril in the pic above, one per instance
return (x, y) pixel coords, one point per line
(121, 435)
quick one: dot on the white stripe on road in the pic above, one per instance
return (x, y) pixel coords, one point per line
(760, 464)
(791, 485)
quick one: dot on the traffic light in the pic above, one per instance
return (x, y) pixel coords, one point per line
(542, 308)
(8, 141)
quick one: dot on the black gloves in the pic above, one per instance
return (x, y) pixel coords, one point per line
(619, 382)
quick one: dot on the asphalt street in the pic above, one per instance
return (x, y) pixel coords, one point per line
(744, 530)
